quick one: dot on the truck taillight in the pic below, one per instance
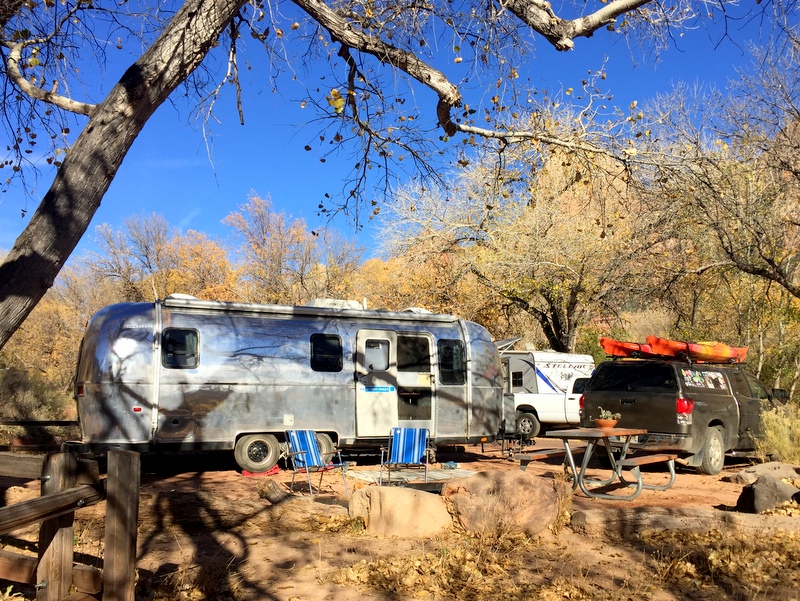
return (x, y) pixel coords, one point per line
(582, 402)
(79, 390)
(684, 408)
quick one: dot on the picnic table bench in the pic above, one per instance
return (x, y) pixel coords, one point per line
(525, 458)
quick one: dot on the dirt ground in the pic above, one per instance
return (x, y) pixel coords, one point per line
(207, 532)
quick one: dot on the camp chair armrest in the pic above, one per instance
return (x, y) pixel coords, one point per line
(293, 453)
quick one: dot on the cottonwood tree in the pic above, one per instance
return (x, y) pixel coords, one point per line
(41, 53)
(732, 161)
(146, 260)
(283, 262)
(728, 163)
(137, 257)
(203, 268)
(429, 279)
(563, 244)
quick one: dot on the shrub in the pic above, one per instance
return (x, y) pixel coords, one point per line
(781, 430)
(28, 396)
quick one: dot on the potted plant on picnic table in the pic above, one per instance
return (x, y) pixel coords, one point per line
(607, 419)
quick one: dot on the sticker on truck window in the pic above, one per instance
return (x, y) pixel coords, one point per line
(704, 379)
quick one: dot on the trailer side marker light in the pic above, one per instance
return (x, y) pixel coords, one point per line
(137, 409)
(484, 439)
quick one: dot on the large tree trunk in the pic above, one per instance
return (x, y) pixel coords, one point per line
(65, 212)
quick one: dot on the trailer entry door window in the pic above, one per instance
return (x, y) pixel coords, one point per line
(452, 363)
(180, 348)
(376, 355)
(326, 352)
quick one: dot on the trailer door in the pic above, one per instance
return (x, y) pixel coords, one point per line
(376, 383)
(415, 382)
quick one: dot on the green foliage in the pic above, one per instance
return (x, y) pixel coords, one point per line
(589, 342)
(781, 429)
(606, 414)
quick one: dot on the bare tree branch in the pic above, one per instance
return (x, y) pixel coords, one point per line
(561, 32)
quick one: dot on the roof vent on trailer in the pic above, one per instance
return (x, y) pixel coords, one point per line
(335, 303)
(416, 310)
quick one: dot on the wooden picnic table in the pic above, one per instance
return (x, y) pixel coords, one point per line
(594, 437)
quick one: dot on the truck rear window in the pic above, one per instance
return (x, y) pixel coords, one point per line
(645, 377)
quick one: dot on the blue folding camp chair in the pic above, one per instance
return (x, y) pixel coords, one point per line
(408, 448)
(306, 457)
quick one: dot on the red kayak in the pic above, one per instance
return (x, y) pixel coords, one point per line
(711, 352)
(620, 348)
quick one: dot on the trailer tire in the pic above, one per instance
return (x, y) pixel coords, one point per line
(326, 447)
(713, 452)
(528, 425)
(257, 453)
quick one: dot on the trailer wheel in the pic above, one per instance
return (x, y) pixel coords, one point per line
(528, 425)
(713, 453)
(326, 447)
(257, 452)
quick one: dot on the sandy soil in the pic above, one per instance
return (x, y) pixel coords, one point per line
(205, 532)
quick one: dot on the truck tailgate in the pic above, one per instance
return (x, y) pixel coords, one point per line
(655, 412)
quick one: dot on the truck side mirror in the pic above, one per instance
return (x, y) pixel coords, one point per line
(780, 395)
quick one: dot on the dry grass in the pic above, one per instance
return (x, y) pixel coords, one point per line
(462, 567)
(496, 566)
(781, 430)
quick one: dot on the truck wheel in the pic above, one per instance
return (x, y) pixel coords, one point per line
(257, 452)
(713, 452)
(528, 425)
(326, 446)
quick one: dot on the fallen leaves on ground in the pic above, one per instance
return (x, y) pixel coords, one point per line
(766, 565)
(476, 567)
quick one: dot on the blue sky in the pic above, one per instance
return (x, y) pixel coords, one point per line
(168, 170)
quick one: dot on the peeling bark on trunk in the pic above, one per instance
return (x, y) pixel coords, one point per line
(65, 212)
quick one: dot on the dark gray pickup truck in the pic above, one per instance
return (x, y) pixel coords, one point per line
(700, 411)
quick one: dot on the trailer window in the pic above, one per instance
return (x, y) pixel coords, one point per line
(376, 355)
(326, 352)
(516, 379)
(452, 364)
(413, 354)
(180, 348)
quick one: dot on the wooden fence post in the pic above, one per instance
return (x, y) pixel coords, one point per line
(54, 573)
(122, 522)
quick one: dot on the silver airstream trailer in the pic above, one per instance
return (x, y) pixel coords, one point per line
(187, 374)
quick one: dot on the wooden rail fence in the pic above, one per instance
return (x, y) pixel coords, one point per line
(68, 484)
